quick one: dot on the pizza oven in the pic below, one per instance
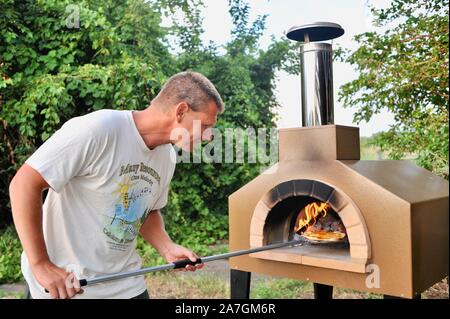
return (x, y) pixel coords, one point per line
(379, 226)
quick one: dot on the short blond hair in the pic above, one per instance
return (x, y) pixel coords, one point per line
(191, 87)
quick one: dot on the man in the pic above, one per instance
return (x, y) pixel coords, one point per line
(108, 174)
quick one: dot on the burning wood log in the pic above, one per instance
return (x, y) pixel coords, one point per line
(317, 221)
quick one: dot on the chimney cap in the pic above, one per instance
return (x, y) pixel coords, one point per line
(316, 31)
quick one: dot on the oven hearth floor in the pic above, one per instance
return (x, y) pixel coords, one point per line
(325, 256)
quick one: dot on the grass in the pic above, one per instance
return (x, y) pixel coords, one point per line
(179, 285)
(207, 285)
(280, 289)
(11, 295)
(283, 288)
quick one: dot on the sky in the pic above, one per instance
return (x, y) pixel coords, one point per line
(353, 15)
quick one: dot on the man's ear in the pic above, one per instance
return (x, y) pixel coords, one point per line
(180, 110)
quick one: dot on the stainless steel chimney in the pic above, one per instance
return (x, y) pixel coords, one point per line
(316, 71)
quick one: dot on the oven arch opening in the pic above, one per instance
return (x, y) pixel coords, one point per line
(274, 219)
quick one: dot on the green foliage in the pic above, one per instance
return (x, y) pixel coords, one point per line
(10, 250)
(280, 289)
(50, 73)
(405, 70)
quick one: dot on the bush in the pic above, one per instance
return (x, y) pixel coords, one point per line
(10, 250)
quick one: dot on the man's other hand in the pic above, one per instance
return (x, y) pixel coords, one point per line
(176, 252)
(59, 283)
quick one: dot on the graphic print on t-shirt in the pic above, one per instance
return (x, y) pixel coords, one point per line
(133, 191)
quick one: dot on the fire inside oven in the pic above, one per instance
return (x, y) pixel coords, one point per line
(307, 219)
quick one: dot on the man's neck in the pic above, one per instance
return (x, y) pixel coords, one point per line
(152, 126)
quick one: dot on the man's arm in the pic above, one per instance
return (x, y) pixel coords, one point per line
(25, 191)
(154, 232)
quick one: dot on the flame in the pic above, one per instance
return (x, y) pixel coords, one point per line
(313, 211)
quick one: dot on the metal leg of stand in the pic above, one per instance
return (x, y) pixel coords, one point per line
(240, 284)
(323, 292)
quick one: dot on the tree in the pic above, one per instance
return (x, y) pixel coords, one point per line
(244, 75)
(405, 70)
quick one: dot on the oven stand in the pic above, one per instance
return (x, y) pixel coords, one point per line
(240, 286)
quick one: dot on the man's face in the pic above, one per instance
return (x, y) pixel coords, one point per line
(194, 127)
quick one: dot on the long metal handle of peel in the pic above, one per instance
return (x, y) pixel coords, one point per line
(183, 263)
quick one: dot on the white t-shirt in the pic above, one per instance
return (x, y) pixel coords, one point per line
(104, 182)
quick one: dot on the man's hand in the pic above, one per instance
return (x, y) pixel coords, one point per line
(176, 252)
(154, 233)
(25, 192)
(59, 283)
